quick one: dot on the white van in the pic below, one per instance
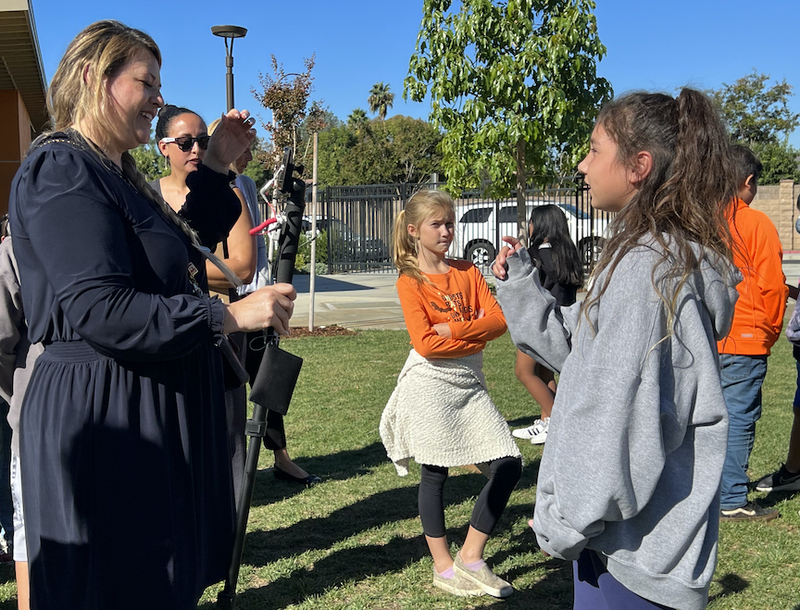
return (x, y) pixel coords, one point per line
(476, 239)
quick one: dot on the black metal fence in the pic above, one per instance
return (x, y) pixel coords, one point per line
(358, 220)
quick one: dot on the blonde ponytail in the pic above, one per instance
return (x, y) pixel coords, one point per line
(421, 206)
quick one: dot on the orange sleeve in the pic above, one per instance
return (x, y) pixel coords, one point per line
(420, 317)
(768, 274)
(491, 325)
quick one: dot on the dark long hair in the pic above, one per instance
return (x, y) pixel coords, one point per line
(685, 198)
(166, 116)
(549, 224)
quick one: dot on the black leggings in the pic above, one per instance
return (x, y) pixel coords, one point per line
(275, 437)
(504, 474)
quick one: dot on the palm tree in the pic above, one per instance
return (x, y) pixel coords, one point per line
(380, 99)
(357, 118)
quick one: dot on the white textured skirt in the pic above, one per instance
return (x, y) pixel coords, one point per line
(440, 414)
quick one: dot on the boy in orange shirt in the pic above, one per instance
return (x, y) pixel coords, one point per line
(757, 322)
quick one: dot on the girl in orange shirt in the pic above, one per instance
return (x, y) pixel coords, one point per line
(440, 413)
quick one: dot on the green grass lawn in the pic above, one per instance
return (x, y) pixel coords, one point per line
(354, 541)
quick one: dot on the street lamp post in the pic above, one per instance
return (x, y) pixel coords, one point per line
(226, 32)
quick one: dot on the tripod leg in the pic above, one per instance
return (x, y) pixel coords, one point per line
(256, 428)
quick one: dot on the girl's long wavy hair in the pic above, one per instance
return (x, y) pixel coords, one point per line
(549, 225)
(686, 197)
(422, 206)
(103, 49)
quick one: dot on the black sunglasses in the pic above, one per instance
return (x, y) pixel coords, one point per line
(185, 143)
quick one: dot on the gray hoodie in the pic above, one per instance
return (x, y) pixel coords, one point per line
(636, 443)
(17, 355)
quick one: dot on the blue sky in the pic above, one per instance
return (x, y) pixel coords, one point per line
(651, 45)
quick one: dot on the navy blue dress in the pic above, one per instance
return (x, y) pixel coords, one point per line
(125, 469)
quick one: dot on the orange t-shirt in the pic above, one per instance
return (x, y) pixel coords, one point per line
(454, 297)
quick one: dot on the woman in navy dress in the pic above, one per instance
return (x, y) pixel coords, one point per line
(126, 477)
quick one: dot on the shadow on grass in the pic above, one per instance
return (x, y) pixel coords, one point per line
(264, 547)
(373, 560)
(334, 467)
(731, 583)
(365, 562)
(340, 467)
(553, 592)
(522, 422)
(343, 566)
(7, 573)
(776, 497)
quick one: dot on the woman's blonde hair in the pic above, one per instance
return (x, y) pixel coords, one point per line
(422, 206)
(102, 49)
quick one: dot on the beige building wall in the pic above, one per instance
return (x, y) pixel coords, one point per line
(778, 202)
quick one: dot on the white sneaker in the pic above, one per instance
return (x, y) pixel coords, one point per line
(540, 433)
(526, 433)
(536, 434)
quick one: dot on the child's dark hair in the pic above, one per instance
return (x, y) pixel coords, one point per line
(745, 164)
(165, 116)
(685, 197)
(550, 224)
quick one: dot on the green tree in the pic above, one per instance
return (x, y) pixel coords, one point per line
(318, 119)
(414, 145)
(334, 145)
(400, 149)
(380, 99)
(369, 160)
(150, 161)
(513, 84)
(759, 117)
(779, 160)
(260, 168)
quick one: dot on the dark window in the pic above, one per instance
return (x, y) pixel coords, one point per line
(508, 214)
(479, 215)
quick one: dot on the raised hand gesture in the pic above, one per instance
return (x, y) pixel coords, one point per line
(499, 267)
(230, 139)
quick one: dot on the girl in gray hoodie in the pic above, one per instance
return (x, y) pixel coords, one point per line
(629, 481)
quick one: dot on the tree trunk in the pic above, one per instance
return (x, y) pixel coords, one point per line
(522, 212)
(312, 279)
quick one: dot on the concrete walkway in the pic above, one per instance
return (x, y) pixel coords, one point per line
(369, 300)
(353, 300)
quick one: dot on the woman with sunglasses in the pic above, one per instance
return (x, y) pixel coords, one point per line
(125, 472)
(183, 139)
